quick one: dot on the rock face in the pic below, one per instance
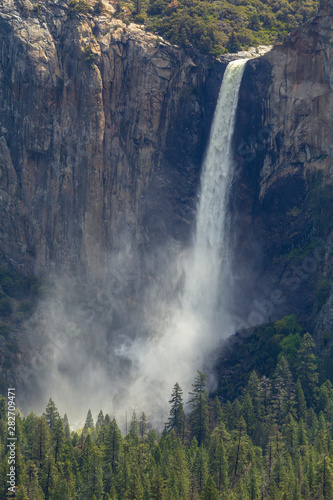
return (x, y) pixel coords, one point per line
(97, 120)
(283, 194)
(102, 133)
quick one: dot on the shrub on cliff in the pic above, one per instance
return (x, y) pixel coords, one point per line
(78, 7)
(221, 26)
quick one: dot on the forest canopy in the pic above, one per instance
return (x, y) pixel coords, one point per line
(216, 27)
(274, 440)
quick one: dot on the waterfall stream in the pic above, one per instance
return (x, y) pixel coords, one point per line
(211, 245)
(188, 331)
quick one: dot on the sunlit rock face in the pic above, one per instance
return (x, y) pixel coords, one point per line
(283, 194)
(103, 129)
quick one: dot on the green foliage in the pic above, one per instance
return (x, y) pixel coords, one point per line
(260, 351)
(199, 414)
(177, 419)
(215, 27)
(273, 441)
(78, 7)
(89, 56)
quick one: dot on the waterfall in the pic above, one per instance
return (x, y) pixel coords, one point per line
(211, 248)
(185, 331)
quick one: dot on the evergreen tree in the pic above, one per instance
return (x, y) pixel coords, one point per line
(200, 467)
(300, 401)
(100, 420)
(158, 491)
(210, 492)
(200, 413)
(290, 432)
(135, 490)
(283, 400)
(216, 413)
(255, 391)
(113, 446)
(306, 367)
(21, 493)
(143, 425)
(134, 427)
(254, 484)
(33, 489)
(91, 467)
(51, 414)
(58, 439)
(239, 448)
(177, 416)
(89, 423)
(324, 479)
(218, 457)
(248, 413)
(41, 440)
(67, 430)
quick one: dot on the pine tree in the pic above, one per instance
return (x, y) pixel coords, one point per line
(290, 432)
(67, 430)
(216, 413)
(255, 391)
(91, 470)
(134, 427)
(300, 401)
(51, 414)
(200, 467)
(283, 400)
(210, 492)
(239, 448)
(89, 423)
(218, 457)
(49, 478)
(177, 416)
(135, 490)
(199, 414)
(303, 441)
(58, 439)
(266, 388)
(21, 493)
(254, 484)
(248, 413)
(41, 440)
(113, 446)
(100, 420)
(33, 489)
(143, 425)
(177, 473)
(157, 490)
(324, 478)
(306, 367)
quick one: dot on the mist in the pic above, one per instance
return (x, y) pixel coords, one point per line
(121, 342)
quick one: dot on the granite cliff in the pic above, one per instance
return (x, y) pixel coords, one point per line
(103, 128)
(283, 193)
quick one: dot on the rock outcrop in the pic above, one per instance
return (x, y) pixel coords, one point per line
(283, 194)
(103, 127)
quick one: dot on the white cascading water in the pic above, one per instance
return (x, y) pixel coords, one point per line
(186, 334)
(211, 244)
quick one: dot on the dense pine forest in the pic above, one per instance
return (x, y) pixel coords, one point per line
(273, 441)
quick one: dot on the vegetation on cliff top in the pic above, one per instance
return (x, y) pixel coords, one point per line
(212, 27)
(216, 27)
